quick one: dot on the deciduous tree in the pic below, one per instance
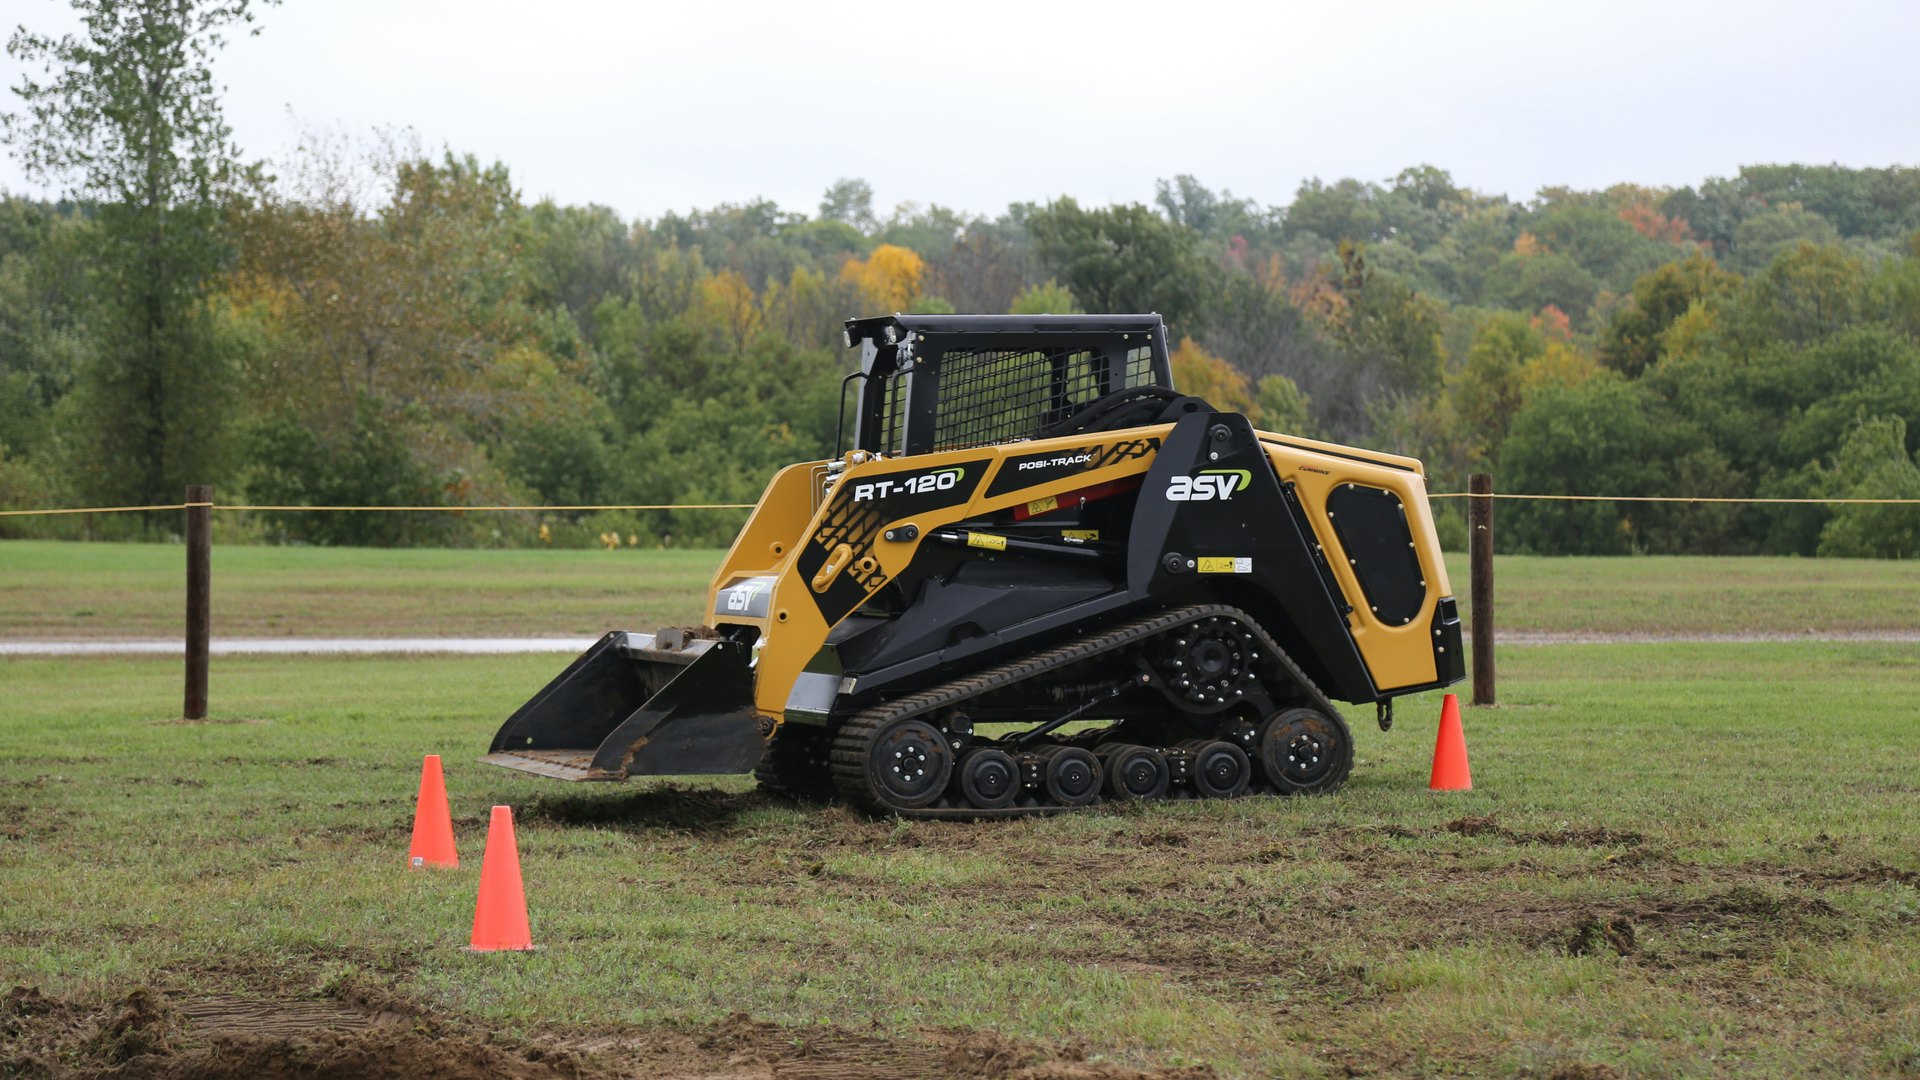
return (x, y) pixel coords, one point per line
(1123, 259)
(126, 113)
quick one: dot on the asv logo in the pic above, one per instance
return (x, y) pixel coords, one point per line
(747, 597)
(1210, 484)
(912, 485)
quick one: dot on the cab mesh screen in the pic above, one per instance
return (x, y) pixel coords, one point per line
(995, 396)
(893, 412)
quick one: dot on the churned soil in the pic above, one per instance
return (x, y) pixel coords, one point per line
(147, 1035)
(1194, 902)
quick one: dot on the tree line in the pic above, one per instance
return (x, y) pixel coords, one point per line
(367, 323)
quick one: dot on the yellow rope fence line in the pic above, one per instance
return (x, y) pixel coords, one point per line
(96, 510)
(1675, 499)
(439, 509)
(472, 509)
(749, 506)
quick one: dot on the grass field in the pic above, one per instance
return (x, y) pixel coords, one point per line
(1678, 860)
(50, 589)
(67, 590)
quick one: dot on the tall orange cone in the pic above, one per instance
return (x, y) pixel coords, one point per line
(500, 916)
(432, 824)
(1450, 772)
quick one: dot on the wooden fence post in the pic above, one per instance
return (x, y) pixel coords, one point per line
(199, 589)
(1480, 560)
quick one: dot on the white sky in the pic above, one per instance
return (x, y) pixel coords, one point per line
(650, 106)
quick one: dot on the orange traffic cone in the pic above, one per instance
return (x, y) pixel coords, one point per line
(500, 916)
(1450, 772)
(432, 824)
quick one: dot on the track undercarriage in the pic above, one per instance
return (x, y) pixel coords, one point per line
(1195, 702)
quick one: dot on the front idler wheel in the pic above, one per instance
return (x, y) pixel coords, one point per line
(1135, 772)
(1208, 664)
(1071, 775)
(909, 765)
(1304, 751)
(989, 778)
(1220, 769)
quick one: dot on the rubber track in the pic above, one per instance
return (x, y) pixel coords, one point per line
(854, 739)
(790, 764)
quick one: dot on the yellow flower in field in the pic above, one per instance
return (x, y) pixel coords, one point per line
(632, 540)
(546, 534)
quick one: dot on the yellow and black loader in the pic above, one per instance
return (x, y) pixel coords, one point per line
(1039, 578)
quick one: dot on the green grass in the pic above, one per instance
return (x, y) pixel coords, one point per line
(50, 589)
(63, 590)
(1699, 594)
(1676, 860)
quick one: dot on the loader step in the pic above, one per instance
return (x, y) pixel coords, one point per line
(559, 764)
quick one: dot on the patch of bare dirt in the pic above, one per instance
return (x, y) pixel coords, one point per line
(234, 1014)
(1595, 936)
(834, 1054)
(668, 807)
(22, 821)
(373, 1055)
(31, 1026)
(1594, 836)
(39, 1034)
(1873, 873)
(365, 1033)
(1164, 838)
(1755, 920)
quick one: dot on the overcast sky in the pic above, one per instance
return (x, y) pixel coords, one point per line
(652, 106)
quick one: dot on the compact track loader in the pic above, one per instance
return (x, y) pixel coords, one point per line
(1039, 578)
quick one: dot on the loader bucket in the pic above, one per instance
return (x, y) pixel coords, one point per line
(639, 705)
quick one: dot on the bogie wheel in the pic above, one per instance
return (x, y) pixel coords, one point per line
(1134, 772)
(1305, 751)
(908, 764)
(1220, 769)
(988, 777)
(1071, 775)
